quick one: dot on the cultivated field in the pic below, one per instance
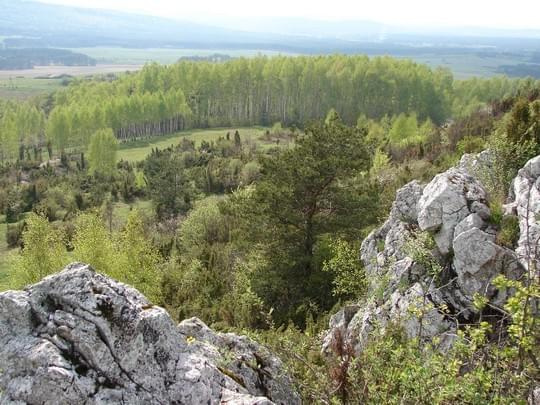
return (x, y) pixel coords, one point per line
(23, 84)
(52, 71)
(141, 56)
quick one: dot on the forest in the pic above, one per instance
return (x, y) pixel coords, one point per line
(260, 234)
(260, 91)
(27, 58)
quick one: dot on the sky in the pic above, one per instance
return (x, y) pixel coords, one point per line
(521, 14)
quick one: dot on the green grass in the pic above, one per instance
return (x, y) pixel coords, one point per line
(137, 150)
(21, 88)
(122, 210)
(5, 254)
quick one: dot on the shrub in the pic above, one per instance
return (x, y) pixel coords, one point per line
(349, 277)
(43, 252)
(509, 232)
(471, 144)
(497, 213)
(14, 234)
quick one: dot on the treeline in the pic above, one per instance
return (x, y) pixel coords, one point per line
(292, 90)
(27, 58)
(259, 91)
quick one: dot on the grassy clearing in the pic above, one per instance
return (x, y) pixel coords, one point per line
(122, 210)
(5, 253)
(21, 88)
(138, 150)
(27, 83)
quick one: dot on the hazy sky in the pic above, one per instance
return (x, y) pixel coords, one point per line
(485, 13)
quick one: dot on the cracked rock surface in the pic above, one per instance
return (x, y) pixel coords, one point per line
(78, 337)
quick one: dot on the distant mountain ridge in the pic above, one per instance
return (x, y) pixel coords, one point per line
(29, 23)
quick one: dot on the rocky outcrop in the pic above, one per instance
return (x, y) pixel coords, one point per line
(525, 191)
(446, 201)
(453, 209)
(80, 337)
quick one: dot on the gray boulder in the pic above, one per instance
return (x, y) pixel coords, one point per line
(400, 308)
(526, 205)
(385, 245)
(80, 337)
(478, 260)
(446, 201)
(479, 165)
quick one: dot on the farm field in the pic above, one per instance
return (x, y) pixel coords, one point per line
(24, 84)
(129, 56)
(137, 150)
(51, 71)
(21, 88)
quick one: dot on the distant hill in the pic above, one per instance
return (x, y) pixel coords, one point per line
(34, 24)
(467, 51)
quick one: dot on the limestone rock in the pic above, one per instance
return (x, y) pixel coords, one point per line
(478, 259)
(526, 205)
(80, 337)
(477, 165)
(399, 308)
(446, 201)
(453, 208)
(472, 221)
(405, 207)
(534, 397)
(385, 245)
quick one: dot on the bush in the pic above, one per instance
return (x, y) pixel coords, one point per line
(497, 213)
(471, 144)
(509, 232)
(14, 234)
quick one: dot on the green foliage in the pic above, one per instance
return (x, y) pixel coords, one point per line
(404, 131)
(139, 263)
(381, 164)
(301, 353)
(102, 152)
(524, 329)
(126, 256)
(394, 370)
(204, 271)
(43, 253)
(168, 185)
(496, 213)
(420, 248)
(508, 234)
(512, 145)
(92, 243)
(471, 144)
(349, 279)
(304, 193)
